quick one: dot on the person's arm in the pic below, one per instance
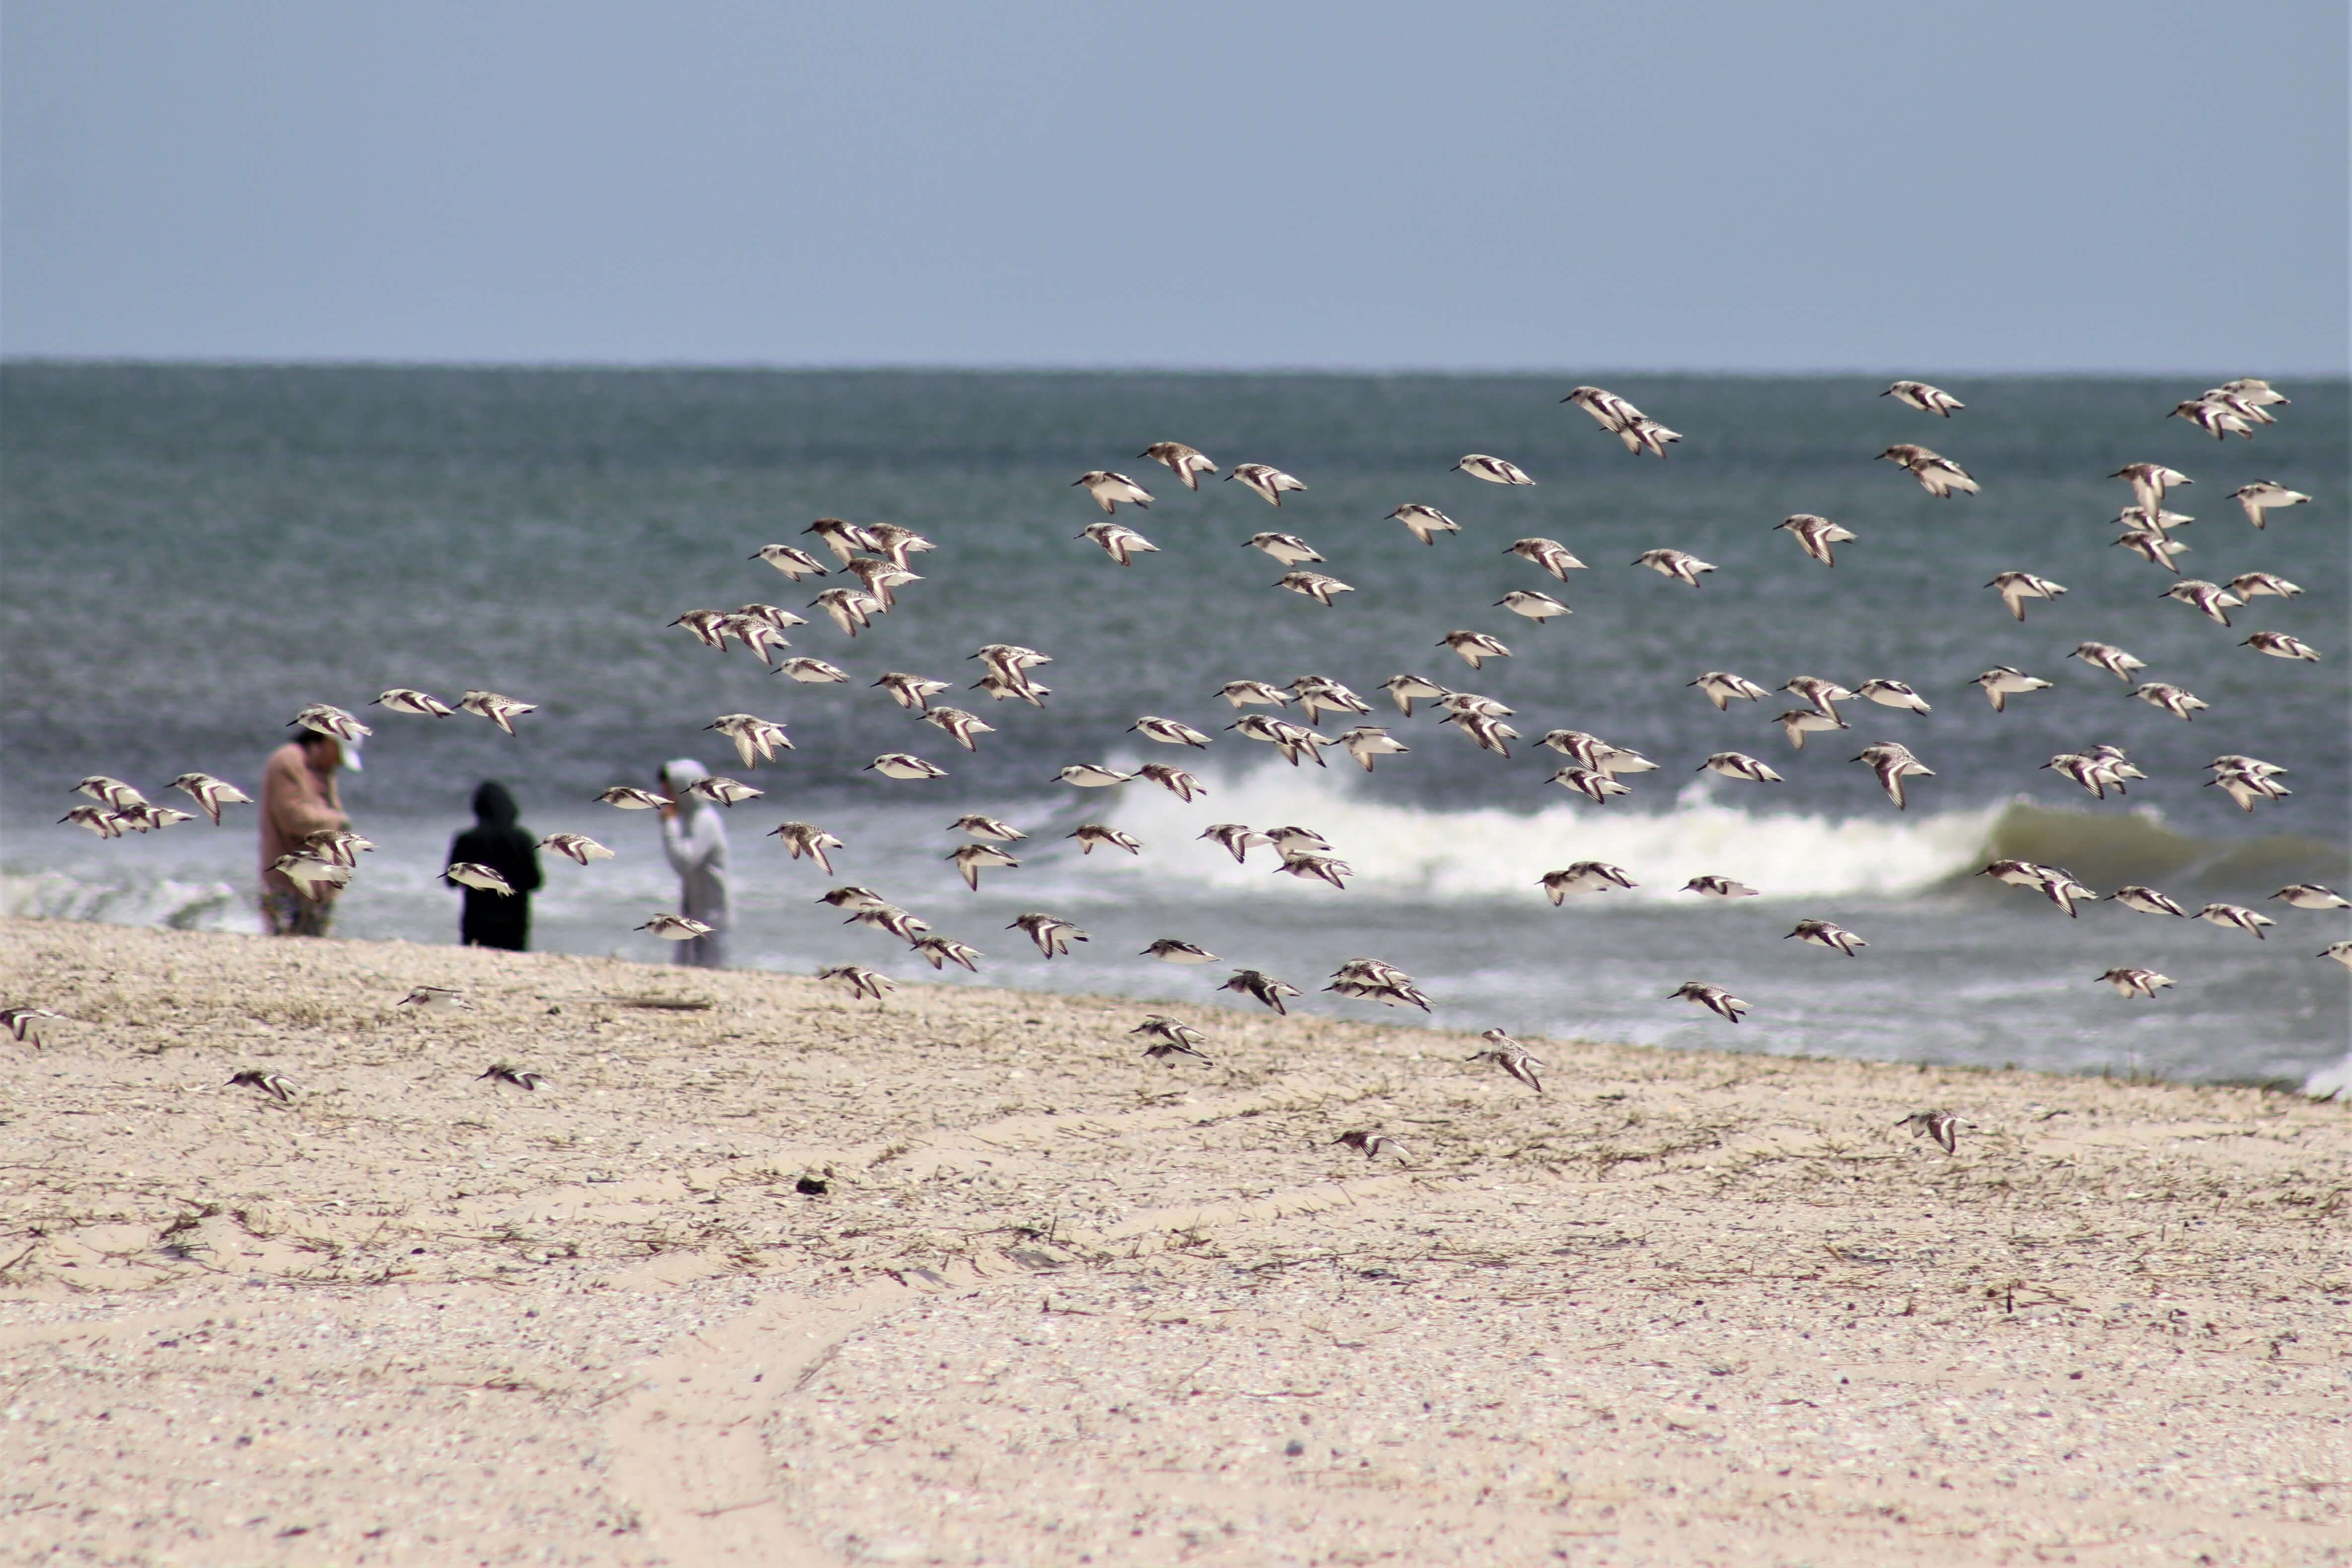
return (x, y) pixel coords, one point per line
(689, 839)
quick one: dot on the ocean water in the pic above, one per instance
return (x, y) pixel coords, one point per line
(193, 553)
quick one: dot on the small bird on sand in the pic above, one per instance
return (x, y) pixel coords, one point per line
(576, 847)
(275, 1084)
(406, 700)
(1180, 460)
(1262, 987)
(1714, 998)
(501, 711)
(1493, 470)
(1371, 1145)
(1093, 834)
(24, 1024)
(1170, 1037)
(1827, 933)
(1941, 1126)
(435, 999)
(1425, 523)
(1922, 397)
(513, 1077)
(1512, 1057)
(1815, 536)
(1938, 474)
(859, 981)
(675, 929)
(1267, 482)
(1170, 950)
(1052, 936)
(1109, 489)
(2131, 982)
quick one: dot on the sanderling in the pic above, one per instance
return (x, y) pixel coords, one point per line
(850, 895)
(1512, 1057)
(1253, 694)
(1109, 489)
(723, 790)
(1314, 585)
(1169, 950)
(1893, 694)
(148, 818)
(910, 692)
(1402, 689)
(970, 860)
(1235, 838)
(2215, 417)
(435, 999)
(1938, 474)
(2251, 585)
(1311, 867)
(1537, 606)
(1287, 548)
(1493, 470)
(959, 725)
(2130, 982)
(2339, 951)
(1584, 876)
(1262, 987)
(1719, 887)
(2264, 495)
(1822, 696)
(1827, 933)
(2146, 900)
(1119, 541)
(1322, 693)
(1814, 536)
(2150, 481)
(892, 920)
(328, 719)
(2099, 656)
(1679, 565)
(904, 765)
(987, 828)
(514, 1077)
(2236, 917)
(812, 672)
(314, 874)
(25, 1023)
(577, 847)
(2279, 645)
(1168, 731)
(1368, 741)
(1052, 935)
(1175, 780)
(2208, 598)
(676, 928)
(2155, 548)
(1714, 998)
(1922, 397)
(850, 610)
(632, 800)
(112, 793)
(106, 824)
(1091, 776)
(1486, 732)
(1475, 647)
(1722, 686)
(1091, 835)
(880, 577)
(807, 839)
(1292, 740)
(707, 627)
(1371, 980)
(1592, 784)
(1628, 425)
(756, 740)
(337, 844)
(1892, 762)
(2311, 895)
(1738, 764)
(941, 951)
(1170, 1037)
(1798, 723)
(1371, 1145)
(1425, 523)
(846, 539)
(275, 1084)
(406, 700)
(2001, 682)
(1266, 481)
(499, 710)
(2017, 587)
(472, 873)
(795, 564)
(1186, 463)
(211, 793)
(1940, 1127)
(1549, 554)
(2178, 701)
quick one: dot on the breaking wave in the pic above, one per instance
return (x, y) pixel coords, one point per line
(161, 900)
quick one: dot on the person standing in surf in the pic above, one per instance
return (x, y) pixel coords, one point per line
(694, 839)
(299, 799)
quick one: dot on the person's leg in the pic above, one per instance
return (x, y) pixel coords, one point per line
(314, 919)
(278, 911)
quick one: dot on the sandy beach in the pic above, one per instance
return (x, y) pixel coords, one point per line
(760, 1275)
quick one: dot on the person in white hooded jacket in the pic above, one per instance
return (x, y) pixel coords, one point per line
(694, 839)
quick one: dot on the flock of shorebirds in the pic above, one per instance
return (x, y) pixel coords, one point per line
(877, 556)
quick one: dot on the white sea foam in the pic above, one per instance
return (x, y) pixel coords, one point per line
(1409, 852)
(133, 901)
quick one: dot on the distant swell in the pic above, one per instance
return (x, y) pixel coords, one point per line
(1410, 853)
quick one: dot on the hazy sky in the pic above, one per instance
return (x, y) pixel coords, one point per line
(2108, 184)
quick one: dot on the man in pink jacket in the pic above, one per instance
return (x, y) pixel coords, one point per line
(299, 799)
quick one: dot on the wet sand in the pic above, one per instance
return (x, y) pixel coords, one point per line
(1056, 1303)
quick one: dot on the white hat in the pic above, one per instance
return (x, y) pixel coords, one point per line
(350, 750)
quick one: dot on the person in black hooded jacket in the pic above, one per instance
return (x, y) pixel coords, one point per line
(497, 841)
